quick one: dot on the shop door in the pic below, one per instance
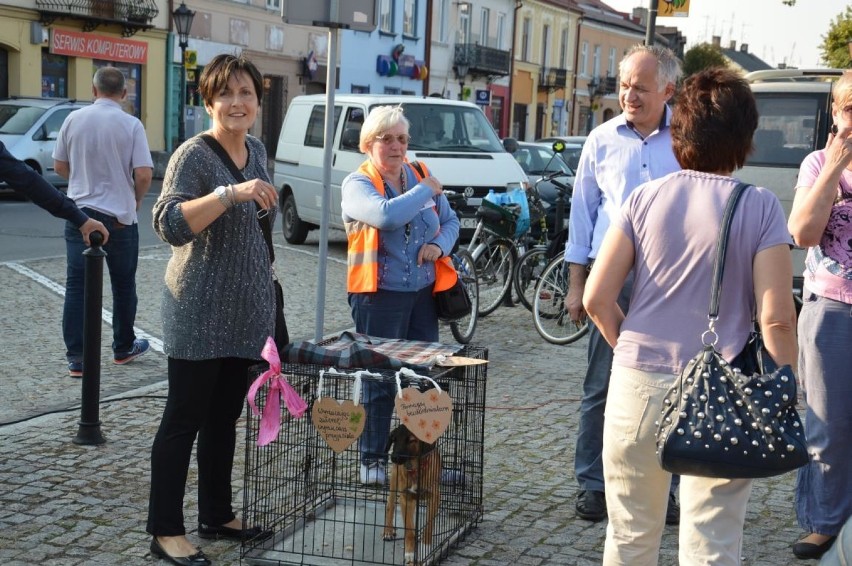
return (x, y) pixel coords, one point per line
(274, 103)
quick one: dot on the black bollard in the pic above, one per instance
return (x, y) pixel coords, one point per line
(89, 431)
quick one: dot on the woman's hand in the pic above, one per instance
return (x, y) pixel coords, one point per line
(429, 252)
(256, 190)
(838, 150)
(433, 184)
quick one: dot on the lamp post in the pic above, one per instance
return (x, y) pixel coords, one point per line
(461, 73)
(183, 22)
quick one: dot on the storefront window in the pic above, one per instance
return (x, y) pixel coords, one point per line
(132, 104)
(54, 75)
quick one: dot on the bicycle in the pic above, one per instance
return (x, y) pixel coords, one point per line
(549, 314)
(494, 255)
(465, 266)
(532, 263)
(463, 328)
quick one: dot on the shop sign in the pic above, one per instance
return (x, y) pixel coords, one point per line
(92, 46)
(483, 97)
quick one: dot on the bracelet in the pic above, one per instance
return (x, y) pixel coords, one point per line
(232, 197)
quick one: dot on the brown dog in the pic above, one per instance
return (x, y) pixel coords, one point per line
(415, 475)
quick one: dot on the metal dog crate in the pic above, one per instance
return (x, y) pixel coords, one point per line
(312, 500)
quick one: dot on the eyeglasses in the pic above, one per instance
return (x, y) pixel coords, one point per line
(389, 138)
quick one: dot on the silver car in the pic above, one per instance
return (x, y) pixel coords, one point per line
(29, 128)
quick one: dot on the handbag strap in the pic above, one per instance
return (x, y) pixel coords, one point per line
(722, 248)
(265, 227)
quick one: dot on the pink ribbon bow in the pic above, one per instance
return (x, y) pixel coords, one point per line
(270, 422)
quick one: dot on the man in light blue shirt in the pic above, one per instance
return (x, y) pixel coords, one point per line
(618, 156)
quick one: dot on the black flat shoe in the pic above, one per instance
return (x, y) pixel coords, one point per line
(197, 559)
(240, 535)
(591, 505)
(811, 550)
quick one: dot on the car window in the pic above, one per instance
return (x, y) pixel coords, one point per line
(315, 133)
(18, 120)
(50, 128)
(450, 128)
(350, 140)
(786, 128)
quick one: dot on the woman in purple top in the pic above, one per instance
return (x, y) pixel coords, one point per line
(666, 233)
(821, 219)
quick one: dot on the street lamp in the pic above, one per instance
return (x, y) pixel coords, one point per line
(183, 22)
(461, 73)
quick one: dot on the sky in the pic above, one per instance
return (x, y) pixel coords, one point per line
(774, 32)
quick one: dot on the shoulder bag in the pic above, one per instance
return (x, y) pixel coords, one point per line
(731, 420)
(282, 337)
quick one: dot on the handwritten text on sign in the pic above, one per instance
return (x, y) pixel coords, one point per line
(340, 424)
(426, 414)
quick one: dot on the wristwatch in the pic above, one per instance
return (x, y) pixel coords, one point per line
(222, 193)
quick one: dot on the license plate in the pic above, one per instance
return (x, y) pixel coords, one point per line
(468, 223)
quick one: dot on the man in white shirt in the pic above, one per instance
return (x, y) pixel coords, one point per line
(618, 156)
(104, 154)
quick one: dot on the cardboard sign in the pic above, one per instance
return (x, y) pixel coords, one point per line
(339, 423)
(426, 414)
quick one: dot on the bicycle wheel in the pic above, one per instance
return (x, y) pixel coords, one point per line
(464, 328)
(527, 273)
(494, 261)
(549, 314)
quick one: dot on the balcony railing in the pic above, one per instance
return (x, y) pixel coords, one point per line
(600, 86)
(482, 60)
(131, 15)
(552, 78)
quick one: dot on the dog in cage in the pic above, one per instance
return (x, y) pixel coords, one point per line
(415, 476)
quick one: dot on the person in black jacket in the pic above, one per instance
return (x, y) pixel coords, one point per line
(24, 180)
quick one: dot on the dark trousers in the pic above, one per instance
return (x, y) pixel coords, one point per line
(388, 314)
(122, 251)
(206, 398)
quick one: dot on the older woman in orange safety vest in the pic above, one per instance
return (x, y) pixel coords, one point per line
(400, 227)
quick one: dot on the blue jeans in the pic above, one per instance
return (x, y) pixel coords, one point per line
(122, 251)
(388, 314)
(824, 484)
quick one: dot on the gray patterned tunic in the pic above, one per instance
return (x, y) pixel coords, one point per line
(219, 300)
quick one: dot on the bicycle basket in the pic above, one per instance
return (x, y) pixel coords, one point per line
(499, 220)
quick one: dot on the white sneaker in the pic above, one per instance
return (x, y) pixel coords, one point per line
(373, 473)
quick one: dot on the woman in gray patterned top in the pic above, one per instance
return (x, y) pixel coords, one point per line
(218, 309)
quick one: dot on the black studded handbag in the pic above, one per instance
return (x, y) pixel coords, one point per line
(731, 420)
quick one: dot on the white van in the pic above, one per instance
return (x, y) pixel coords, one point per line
(794, 107)
(453, 138)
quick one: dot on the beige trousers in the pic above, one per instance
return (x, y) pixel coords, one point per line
(712, 511)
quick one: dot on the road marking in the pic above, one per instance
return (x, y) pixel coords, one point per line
(310, 253)
(156, 343)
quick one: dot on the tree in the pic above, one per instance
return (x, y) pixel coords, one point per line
(835, 44)
(702, 56)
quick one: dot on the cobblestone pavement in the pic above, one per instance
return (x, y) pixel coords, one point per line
(64, 504)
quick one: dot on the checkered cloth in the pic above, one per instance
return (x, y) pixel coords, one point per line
(352, 350)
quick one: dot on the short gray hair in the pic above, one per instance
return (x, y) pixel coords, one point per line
(379, 120)
(109, 81)
(668, 65)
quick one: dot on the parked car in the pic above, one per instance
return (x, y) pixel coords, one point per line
(572, 159)
(794, 108)
(29, 128)
(539, 159)
(453, 138)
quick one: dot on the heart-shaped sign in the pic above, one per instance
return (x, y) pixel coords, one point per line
(426, 414)
(339, 423)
